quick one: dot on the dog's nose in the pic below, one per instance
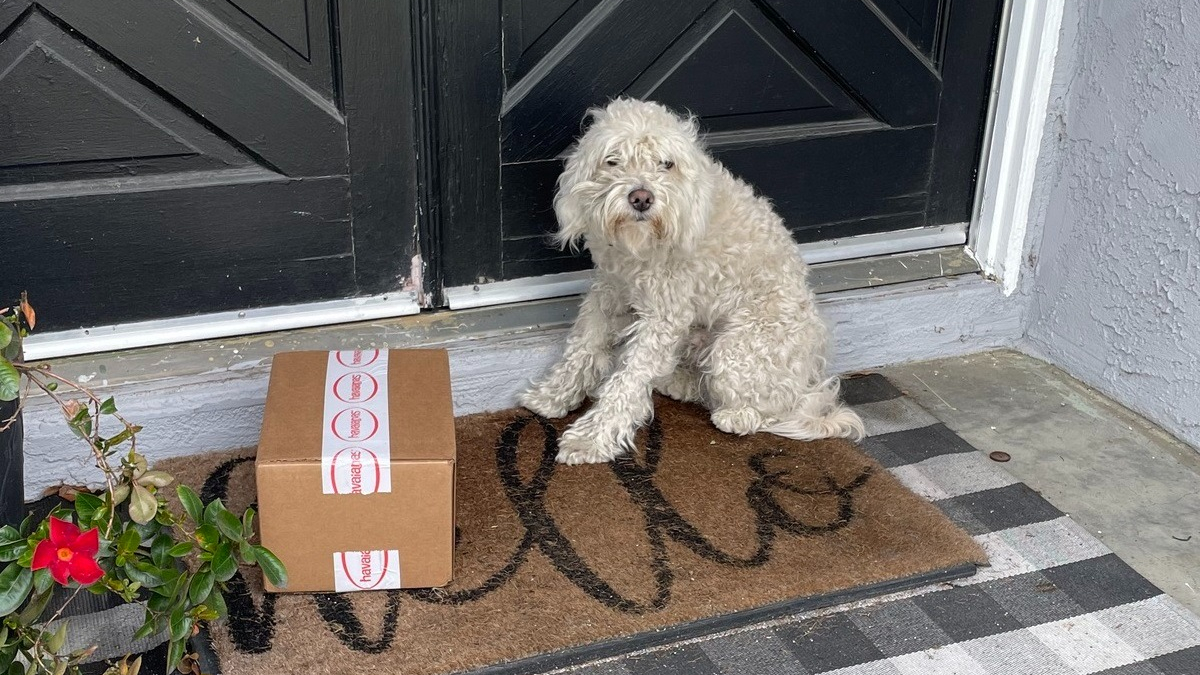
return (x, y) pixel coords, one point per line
(641, 200)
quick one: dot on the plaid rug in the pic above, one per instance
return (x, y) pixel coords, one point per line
(1055, 601)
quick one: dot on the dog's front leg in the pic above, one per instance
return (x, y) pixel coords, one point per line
(624, 401)
(587, 357)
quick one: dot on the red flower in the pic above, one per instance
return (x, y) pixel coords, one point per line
(69, 554)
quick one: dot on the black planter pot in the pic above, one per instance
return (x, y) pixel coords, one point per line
(12, 468)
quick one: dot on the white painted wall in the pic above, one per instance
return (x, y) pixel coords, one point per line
(1115, 299)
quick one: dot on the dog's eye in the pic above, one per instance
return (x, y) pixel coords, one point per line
(612, 162)
(667, 165)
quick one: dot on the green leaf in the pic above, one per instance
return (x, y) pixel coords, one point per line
(159, 602)
(7, 655)
(15, 584)
(142, 505)
(86, 506)
(180, 624)
(56, 641)
(223, 564)
(271, 566)
(33, 610)
(248, 524)
(14, 551)
(216, 602)
(125, 435)
(246, 551)
(174, 654)
(201, 586)
(174, 586)
(42, 581)
(164, 516)
(146, 630)
(25, 559)
(120, 493)
(148, 531)
(191, 503)
(209, 537)
(145, 574)
(11, 350)
(155, 478)
(12, 544)
(10, 381)
(108, 407)
(129, 541)
(228, 524)
(6, 334)
(181, 549)
(160, 550)
(210, 511)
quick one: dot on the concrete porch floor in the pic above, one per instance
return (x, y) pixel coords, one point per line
(1130, 484)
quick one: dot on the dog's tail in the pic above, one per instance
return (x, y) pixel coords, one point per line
(820, 415)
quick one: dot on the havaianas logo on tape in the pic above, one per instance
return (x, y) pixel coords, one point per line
(355, 387)
(354, 471)
(357, 358)
(354, 424)
(252, 627)
(366, 570)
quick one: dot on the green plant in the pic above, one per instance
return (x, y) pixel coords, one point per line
(126, 539)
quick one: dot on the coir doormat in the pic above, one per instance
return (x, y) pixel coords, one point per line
(556, 565)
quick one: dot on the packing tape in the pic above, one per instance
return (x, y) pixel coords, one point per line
(366, 570)
(356, 456)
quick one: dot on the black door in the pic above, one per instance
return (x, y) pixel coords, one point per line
(161, 158)
(853, 116)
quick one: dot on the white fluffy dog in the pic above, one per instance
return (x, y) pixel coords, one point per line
(698, 292)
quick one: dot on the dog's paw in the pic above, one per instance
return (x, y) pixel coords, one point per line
(575, 448)
(680, 385)
(740, 421)
(544, 404)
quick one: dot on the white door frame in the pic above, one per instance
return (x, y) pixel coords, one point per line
(1013, 137)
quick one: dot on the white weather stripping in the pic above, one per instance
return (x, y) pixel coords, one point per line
(217, 325)
(577, 283)
(1013, 137)
(519, 290)
(884, 243)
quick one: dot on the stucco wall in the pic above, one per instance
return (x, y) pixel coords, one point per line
(1115, 299)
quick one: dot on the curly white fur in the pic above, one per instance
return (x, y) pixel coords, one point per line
(702, 296)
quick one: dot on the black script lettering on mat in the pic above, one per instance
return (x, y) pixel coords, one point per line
(252, 628)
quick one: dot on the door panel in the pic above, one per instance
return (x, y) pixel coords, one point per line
(78, 117)
(831, 109)
(214, 72)
(159, 159)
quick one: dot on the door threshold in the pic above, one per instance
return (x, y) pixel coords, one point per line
(825, 277)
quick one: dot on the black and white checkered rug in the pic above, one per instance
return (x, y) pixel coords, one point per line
(1055, 601)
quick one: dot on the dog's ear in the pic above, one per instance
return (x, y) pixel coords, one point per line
(691, 126)
(590, 117)
(572, 226)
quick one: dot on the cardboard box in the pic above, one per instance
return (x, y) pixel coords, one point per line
(355, 469)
